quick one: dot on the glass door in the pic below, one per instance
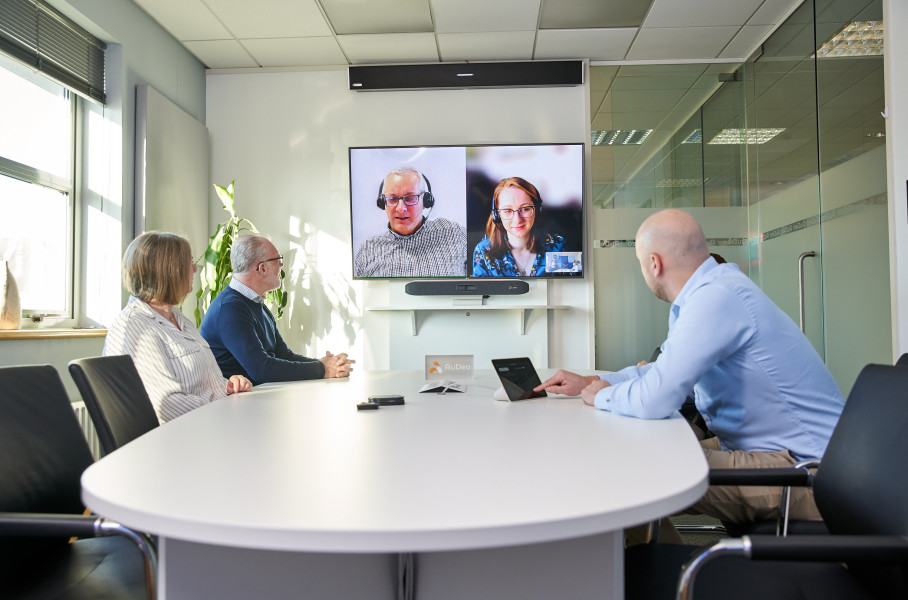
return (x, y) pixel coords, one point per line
(783, 162)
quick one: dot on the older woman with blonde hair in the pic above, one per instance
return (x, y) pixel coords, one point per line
(175, 363)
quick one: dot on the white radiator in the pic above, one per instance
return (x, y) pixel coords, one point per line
(88, 429)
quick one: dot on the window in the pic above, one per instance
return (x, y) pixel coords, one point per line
(37, 166)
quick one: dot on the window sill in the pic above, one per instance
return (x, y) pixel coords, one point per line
(38, 334)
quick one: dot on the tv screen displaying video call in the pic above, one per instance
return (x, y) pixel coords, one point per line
(481, 211)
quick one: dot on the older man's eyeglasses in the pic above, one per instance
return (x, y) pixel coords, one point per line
(525, 211)
(409, 199)
(279, 258)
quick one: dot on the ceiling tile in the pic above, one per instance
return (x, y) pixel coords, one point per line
(595, 44)
(568, 14)
(507, 45)
(349, 17)
(656, 43)
(389, 48)
(700, 13)
(185, 19)
(773, 11)
(601, 77)
(221, 54)
(272, 19)
(460, 16)
(747, 39)
(296, 52)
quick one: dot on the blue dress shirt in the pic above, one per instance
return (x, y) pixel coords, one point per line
(758, 381)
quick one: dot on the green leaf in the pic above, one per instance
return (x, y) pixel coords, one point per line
(214, 264)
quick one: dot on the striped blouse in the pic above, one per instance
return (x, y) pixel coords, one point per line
(177, 367)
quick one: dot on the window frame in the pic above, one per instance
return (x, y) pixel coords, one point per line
(31, 317)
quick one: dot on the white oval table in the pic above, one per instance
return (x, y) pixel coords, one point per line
(288, 490)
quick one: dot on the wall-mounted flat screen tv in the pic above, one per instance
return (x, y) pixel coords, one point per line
(481, 211)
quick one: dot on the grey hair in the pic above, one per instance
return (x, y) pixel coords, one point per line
(404, 170)
(246, 251)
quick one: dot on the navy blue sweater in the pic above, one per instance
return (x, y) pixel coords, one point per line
(245, 341)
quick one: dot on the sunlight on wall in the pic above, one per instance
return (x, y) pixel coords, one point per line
(322, 306)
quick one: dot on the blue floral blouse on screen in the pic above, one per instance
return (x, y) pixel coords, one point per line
(486, 266)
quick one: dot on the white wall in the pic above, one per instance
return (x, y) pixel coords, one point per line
(284, 138)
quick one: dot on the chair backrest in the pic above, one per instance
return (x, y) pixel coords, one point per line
(115, 397)
(43, 451)
(859, 486)
(902, 361)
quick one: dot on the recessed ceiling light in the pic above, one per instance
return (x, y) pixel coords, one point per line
(620, 137)
(695, 137)
(681, 183)
(859, 38)
(746, 136)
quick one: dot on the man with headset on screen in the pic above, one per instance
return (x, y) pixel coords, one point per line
(412, 245)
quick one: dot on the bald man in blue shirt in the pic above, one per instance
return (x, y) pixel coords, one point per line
(758, 382)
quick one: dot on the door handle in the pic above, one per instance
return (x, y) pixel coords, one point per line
(801, 285)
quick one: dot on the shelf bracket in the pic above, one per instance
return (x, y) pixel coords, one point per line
(524, 315)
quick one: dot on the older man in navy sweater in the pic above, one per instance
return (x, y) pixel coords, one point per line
(242, 331)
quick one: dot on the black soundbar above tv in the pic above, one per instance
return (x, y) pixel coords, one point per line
(551, 73)
(504, 287)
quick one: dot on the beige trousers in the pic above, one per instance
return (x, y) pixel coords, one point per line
(746, 504)
(737, 504)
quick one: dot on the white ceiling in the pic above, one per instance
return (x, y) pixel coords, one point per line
(230, 34)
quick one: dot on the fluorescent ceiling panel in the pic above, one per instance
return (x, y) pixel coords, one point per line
(620, 137)
(860, 38)
(755, 136)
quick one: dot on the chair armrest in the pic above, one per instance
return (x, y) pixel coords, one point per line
(783, 476)
(830, 548)
(817, 548)
(62, 525)
(48, 525)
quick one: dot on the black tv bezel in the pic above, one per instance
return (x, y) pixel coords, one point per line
(461, 278)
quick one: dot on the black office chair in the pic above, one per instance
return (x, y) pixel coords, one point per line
(115, 398)
(862, 494)
(902, 361)
(42, 456)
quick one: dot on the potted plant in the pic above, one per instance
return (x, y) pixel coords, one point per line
(214, 264)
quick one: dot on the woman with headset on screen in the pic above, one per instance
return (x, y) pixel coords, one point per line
(513, 245)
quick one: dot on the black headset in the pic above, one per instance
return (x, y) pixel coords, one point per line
(496, 218)
(428, 200)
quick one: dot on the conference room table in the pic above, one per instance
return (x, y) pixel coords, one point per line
(289, 491)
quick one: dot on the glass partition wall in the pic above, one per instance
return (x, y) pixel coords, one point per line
(782, 160)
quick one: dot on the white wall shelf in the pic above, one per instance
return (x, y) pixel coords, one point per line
(523, 311)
